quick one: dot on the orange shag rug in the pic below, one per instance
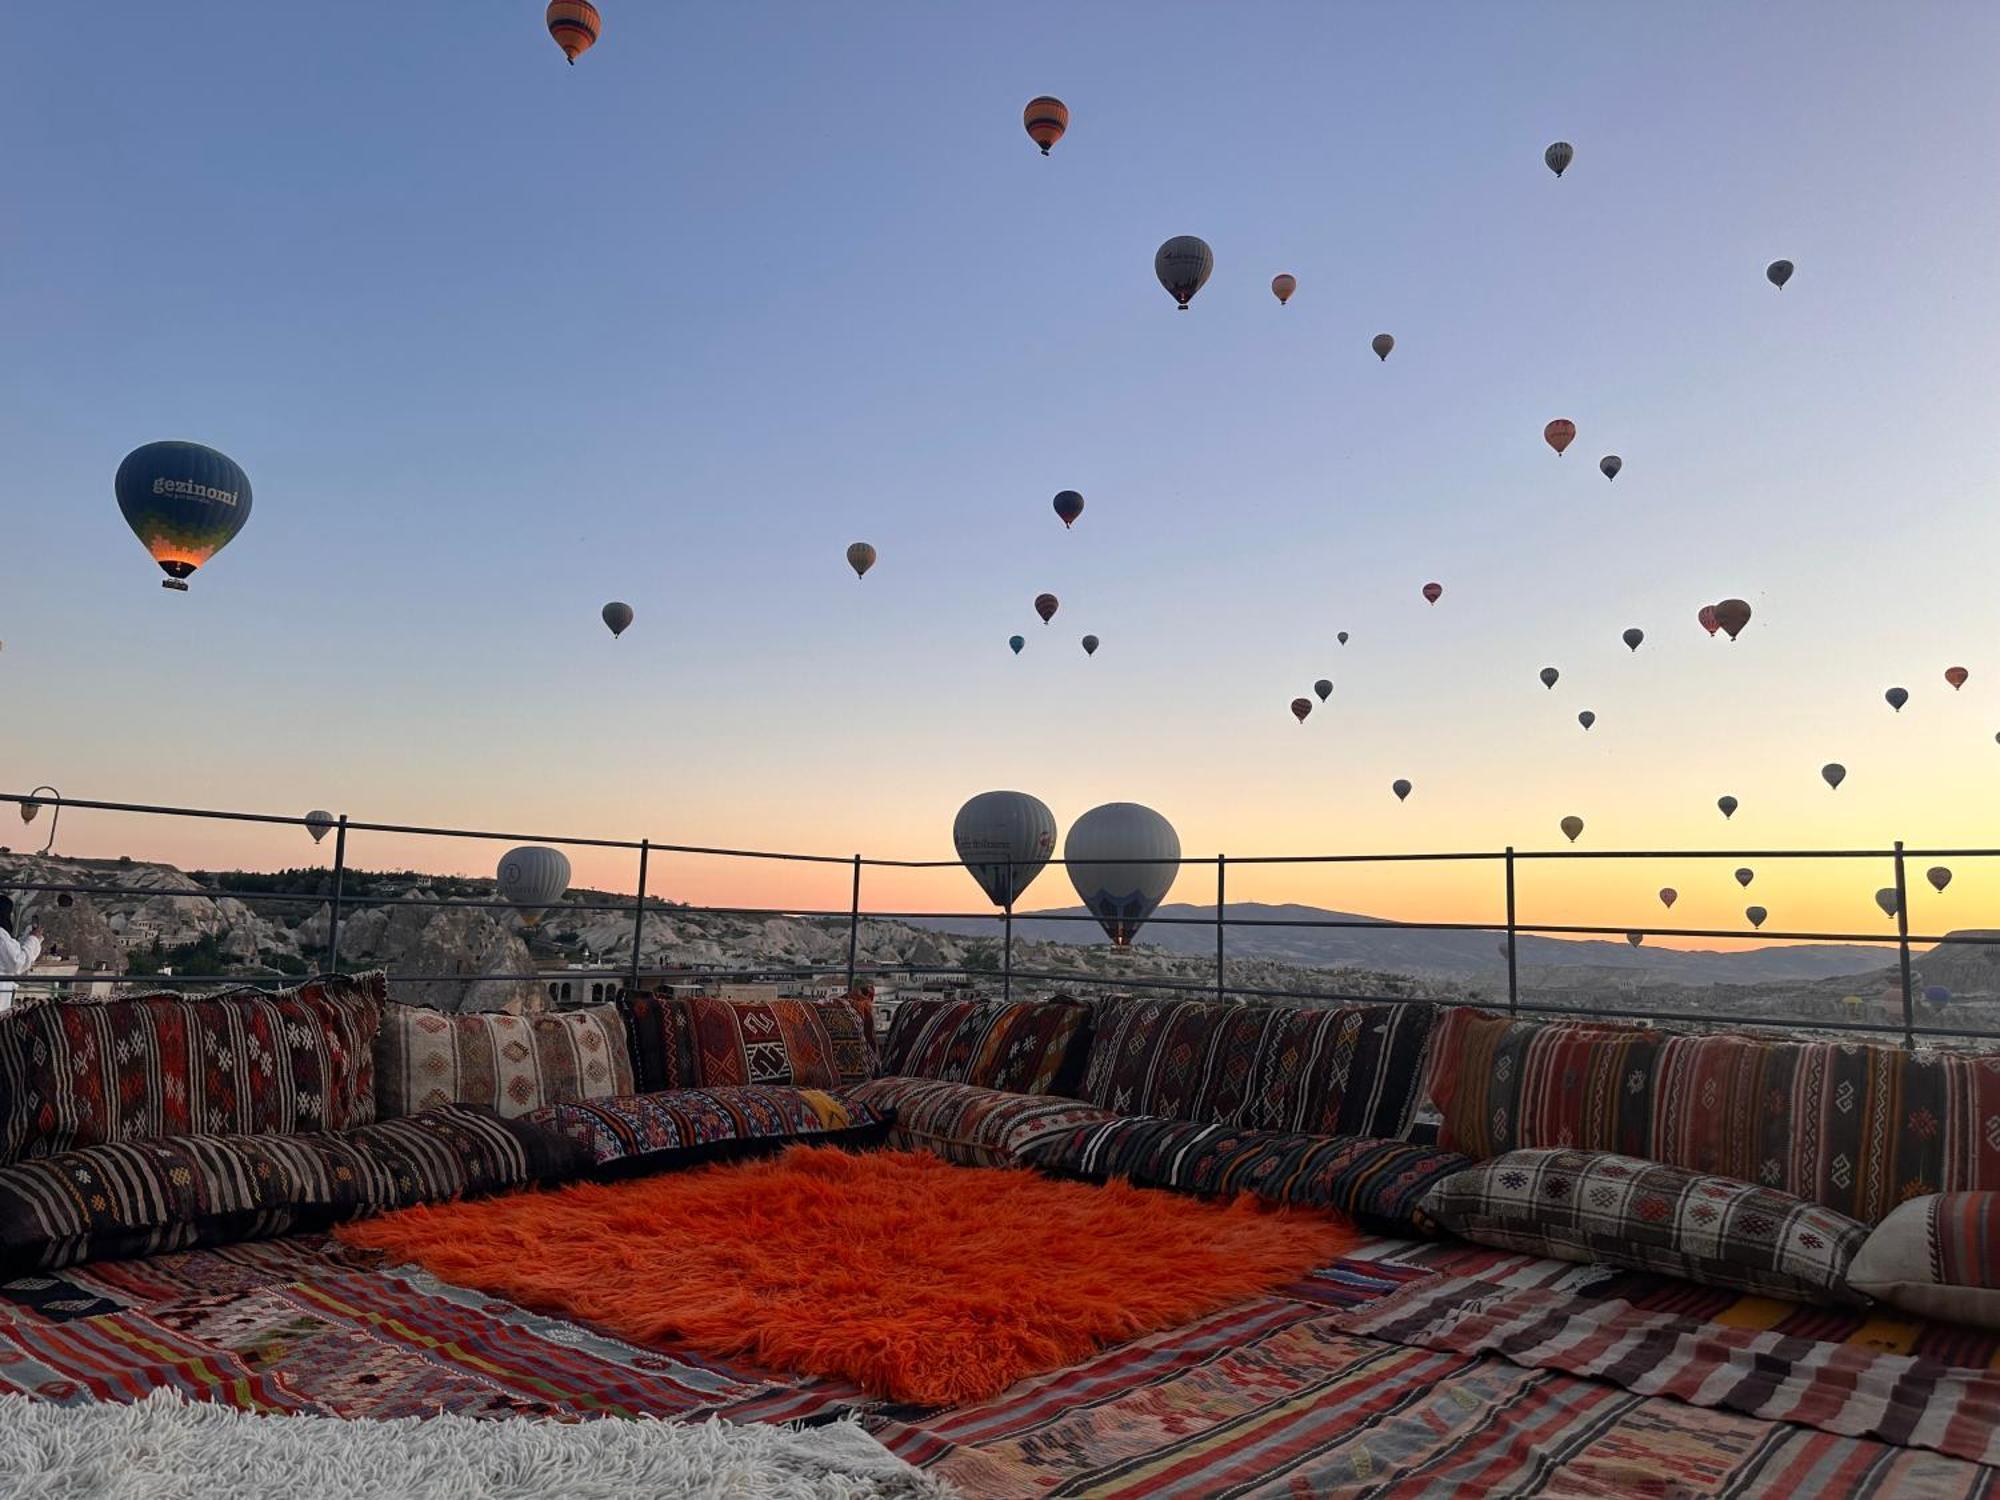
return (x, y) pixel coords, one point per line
(918, 1280)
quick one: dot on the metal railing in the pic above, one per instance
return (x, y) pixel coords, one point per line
(642, 903)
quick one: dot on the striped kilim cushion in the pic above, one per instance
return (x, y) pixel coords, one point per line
(1024, 1046)
(512, 1064)
(1938, 1257)
(970, 1125)
(682, 1125)
(816, 1044)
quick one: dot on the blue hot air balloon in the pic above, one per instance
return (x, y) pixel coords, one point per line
(1016, 642)
(184, 502)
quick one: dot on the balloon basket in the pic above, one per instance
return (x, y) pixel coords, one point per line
(175, 584)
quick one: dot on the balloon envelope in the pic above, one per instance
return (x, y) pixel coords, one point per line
(1610, 464)
(1069, 505)
(1706, 615)
(1046, 118)
(533, 877)
(860, 557)
(1937, 994)
(1571, 827)
(1016, 642)
(1549, 676)
(184, 502)
(1728, 806)
(1046, 606)
(1004, 839)
(1090, 644)
(575, 25)
(318, 823)
(1324, 687)
(1559, 156)
(1341, 637)
(616, 616)
(1401, 788)
(1382, 343)
(1633, 637)
(1586, 718)
(1886, 899)
(1668, 896)
(1283, 285)
(1779, 272)
(1732, 615)
(1745, 875)
(1896, 697)
(1956, 676)
(1433, 592)
(1635, 938)
(1756, 914)
(1939, 877)
(1559, 434)
(1122, 859)
(1301, 707)
(1833, 773)
(1183, 265)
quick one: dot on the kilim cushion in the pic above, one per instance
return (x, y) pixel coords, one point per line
(970, 1125)
(137, 1198)
(818, 1044)
(1024, 1046)
(1938, 1257)
(512, 1064)
(651, 1132)
(1593, 1206)
(242, 1062)
(661, 1041)
(1380, 1184)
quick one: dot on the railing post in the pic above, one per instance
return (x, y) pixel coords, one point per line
(1513, 969)
(1221, 888)
(854, 924)
(339, 880)
(639, 913)
(1007, 939)
(1903, 951)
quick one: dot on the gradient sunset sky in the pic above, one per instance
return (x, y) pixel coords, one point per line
(498, 340)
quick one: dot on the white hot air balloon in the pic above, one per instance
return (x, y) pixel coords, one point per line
(318, 823)
(533, 878)
(1122, 860)
(1004, 839)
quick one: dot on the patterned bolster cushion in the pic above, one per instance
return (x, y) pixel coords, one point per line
(810, 1044)
(138, 1198)
(652, 1132)
(512, 1064)
(1380, 1184)
(241, 1062)
(970, 1125)
(1937, 1257)
(661, 1041)
(1594, 1207)
(1023, 1046)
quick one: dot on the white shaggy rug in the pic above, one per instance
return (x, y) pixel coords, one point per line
(168, 1448)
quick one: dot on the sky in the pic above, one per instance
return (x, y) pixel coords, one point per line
(498, 340)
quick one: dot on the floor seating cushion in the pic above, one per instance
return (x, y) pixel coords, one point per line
(1937, 1257)
(1322, 1070)
(679, 1127)
(1379, 1184)
(964, 1123)
(1597, 1207)
(507, 1063)
(1023, 1046)
(241, 1062)
(136, 1198)
(811, 1044)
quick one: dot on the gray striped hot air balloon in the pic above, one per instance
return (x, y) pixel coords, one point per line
(1122, 859)
(319, 822)
(860, 557)
(1004, 839)
(533, 878)
(1559, 155)
(1183, 265)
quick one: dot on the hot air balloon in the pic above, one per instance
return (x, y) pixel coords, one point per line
(1635, 938)
(1016, 642)
(533, 878)
(1778, 272)
(1633, 637)
(1756, 914)
(1341, 636)
(1745, 875)
(184, 502)
(1939, 877)
(1090, 644)
(1549, 676)
(1382, 343)
(1069, 505)
(1401, 788)
(616, 616)
(1571, 827)
(1728, 806)
(860, 557)
(1897, 697)
(1046, 606)
(1732, 615)
(1301, 707)
(1004, 839)
(1283, 285)
(1433, 592)
(1886, 899)
(1559, 156)
(319, 823)
(575, 24)
(1046, 118)
(1324, 687)
(1183, 264)
(1706, 615)
(1586, 718)
(1610, 464)
(1956, 677)
(1559, 434)
(1833, 773)
(1122, 859)
(1668, 896)
(1937, 994)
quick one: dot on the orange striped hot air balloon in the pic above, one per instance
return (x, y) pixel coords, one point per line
(1046, 118)
(575, 25)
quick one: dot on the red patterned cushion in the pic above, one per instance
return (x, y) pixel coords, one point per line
(820, 1044)
(1025, 1046)
(242, 1062)
(970, 1125)
(680, 1126)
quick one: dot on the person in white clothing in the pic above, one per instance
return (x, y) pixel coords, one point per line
(17, 956)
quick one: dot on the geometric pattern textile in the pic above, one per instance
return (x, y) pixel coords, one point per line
(1938, 1257)
(680, 1126)
(240, 1062)
(662, 1045)
(512, 1064)
(810, 1044)
(972, 1126)
(1023, 1046)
